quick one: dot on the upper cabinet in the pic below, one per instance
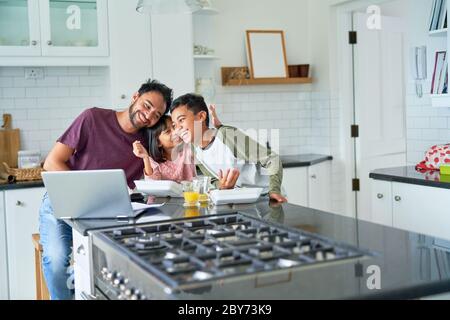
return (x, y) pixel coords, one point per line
(54, 28)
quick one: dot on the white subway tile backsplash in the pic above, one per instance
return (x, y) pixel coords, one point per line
(43, 109)
(66, 81)
(14, 92)
(36, 92)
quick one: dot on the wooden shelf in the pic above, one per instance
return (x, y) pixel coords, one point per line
(228, 71)
(267, 81)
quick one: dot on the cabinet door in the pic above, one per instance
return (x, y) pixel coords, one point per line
(422, 209)
(131, 60)
(4, 295)
(22, 220)
(319, 186)
(82, 267)
(295, 185)
(19, 28)
(381, 202)
(74, 28)
(173, 65)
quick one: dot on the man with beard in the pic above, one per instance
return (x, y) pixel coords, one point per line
(99, 139)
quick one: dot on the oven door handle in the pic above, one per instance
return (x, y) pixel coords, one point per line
(87, 296)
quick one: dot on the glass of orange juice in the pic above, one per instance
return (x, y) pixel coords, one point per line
(190, 193)
(204, 183)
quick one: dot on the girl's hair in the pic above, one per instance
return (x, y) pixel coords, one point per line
(156, 152)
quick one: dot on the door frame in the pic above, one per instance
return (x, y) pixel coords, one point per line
(342, 87)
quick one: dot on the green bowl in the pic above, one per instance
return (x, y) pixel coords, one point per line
(445, 170)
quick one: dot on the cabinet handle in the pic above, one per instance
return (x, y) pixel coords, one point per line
(380, 196)
(123, 97)
(49, 42)
(19, 203)
(81, 250)
(34, 43)
(313, 176)
(398, 198)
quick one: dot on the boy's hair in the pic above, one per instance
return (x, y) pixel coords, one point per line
(193, 102)
(156, 152)
(156, 86)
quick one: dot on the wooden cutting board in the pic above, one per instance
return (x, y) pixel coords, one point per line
(9, 142)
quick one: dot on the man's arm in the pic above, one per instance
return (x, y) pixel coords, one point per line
(58, 157)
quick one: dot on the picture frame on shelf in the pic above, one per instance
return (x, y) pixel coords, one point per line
(266, 50)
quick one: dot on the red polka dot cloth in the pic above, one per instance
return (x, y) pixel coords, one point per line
(435, 157)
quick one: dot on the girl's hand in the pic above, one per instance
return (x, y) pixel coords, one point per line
(139, 150)
(214, 119)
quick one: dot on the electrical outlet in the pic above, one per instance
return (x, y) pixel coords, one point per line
(34, 73)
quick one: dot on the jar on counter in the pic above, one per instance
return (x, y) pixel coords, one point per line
(29, 159)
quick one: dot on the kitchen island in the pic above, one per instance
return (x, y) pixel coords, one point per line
(395, 264)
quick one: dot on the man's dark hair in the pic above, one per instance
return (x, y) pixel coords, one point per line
(156, 152)
(156, 86)
(193, 102)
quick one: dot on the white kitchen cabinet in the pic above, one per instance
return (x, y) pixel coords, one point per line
(319, 186)
(131, 54)
(22, 220)
(309, 186)
(4, 294)
(421, 209)
(82, 266)
(172, 51)
(411, 207)
(54, 28)
(381, 200)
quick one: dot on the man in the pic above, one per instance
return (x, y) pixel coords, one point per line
(227, 155)
(98, 139)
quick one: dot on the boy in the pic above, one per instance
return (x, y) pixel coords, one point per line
(226, 154)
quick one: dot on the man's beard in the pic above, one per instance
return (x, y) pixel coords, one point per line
(132, 116)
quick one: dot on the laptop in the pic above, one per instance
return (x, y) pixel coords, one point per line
(94, 194)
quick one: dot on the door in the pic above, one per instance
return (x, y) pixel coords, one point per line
(379, 102)
(19, 28)
(22, 220)
(295, 184)
(74, 27)
(319, 186)
(126, 78)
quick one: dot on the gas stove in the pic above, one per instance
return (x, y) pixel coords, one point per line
(161, 260)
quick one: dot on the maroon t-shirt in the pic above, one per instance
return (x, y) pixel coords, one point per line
(101, 144)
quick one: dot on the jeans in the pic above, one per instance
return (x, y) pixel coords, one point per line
(56, 241)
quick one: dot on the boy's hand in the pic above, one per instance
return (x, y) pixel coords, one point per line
(228, 179)
(139, 150)
(277, 197)
(214, 118)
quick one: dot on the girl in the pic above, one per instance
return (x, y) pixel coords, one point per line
(168, 158)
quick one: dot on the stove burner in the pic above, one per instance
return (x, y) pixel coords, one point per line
(212, 248)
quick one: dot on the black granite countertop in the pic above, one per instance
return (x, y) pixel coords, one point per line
(412, 176)
(303, 160)
(21, 185)
(411, 265)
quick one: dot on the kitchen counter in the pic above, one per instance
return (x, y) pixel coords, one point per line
(303, 160)
(411, 265)
(22, 185)
(412, 176)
